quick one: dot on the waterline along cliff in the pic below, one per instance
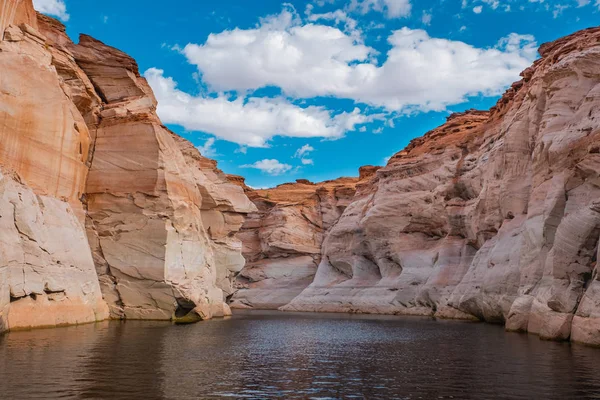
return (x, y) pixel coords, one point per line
(282, 240)
(105, 213)
(493, 216)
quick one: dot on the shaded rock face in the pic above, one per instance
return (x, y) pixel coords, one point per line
(493, 216)
(282, 241)
(103, 210)
(223, 211)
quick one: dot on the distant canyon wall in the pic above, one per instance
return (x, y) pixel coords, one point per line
(282, 240)
(103, 211)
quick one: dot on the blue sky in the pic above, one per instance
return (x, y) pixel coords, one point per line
(277, 91)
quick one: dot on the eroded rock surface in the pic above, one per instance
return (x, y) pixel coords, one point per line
(282, 241)
(47, 275)
(224, 208)
(493, 216)
(102, 208)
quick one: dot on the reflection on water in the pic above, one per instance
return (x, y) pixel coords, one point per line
(277, 355)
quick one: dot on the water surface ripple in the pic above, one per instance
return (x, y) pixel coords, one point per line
(258, 355)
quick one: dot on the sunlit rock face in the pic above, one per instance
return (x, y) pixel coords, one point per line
(493, 216)
(47, 275)
(153, 203)
(104, 211)
(223, 211)
(282, 241)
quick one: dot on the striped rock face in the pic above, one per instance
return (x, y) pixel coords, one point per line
(103, 210)
(493, 216)
(282, 241)
(47, 275)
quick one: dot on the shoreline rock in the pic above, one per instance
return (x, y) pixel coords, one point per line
(105, 212)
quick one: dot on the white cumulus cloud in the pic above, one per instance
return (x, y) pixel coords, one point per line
(249, 121)
(57, 8)
(207, 149)
(304, 60)
(303, 152)
(270, 167)
(390, 8)
(308, 60)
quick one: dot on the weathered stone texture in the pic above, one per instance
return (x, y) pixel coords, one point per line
(493, 216)
(102, 208)
(282, 241)
(47, 275)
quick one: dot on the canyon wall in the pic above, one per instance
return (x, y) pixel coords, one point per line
(282, 241)
(493, 216)
(104, 211)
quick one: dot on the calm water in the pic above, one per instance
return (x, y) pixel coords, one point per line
(277, 355)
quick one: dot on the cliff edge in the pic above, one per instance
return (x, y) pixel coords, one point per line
(104, 211)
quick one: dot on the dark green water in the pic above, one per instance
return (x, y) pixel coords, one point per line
(276, 355)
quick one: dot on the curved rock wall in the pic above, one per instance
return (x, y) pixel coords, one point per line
(47, 275)
(103, 209)
(493, 216)
(282, 241)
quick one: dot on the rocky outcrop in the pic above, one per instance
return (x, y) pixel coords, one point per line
(47, 275)
(223, 210)
(103, 209)
(282, 241)
(493, 216)
(104, 212)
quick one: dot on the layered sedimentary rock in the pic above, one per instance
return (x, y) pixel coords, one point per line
(282, 241)
(47, 275)
(102, 208)
(103, 211)
(223, 210)
(493, 216)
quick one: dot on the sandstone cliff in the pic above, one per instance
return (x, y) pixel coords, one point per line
(103, 209)
(493, 216)
(282, 241)
(105, 213)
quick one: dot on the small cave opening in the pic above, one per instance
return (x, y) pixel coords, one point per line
(184, 307)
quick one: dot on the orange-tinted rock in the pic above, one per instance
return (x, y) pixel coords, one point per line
(101, 206)
(282, 242)
(154, 204)
(17, 12)
(47, 275)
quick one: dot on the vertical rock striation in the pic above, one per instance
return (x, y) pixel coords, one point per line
(223, 210)
(103, 209)
(47, 275)
(282, 241)
(104, 212)
(493, 216)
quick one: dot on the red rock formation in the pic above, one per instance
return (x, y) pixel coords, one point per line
(82, 149)
(493, 216)
(47, 275)
(282, 242)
